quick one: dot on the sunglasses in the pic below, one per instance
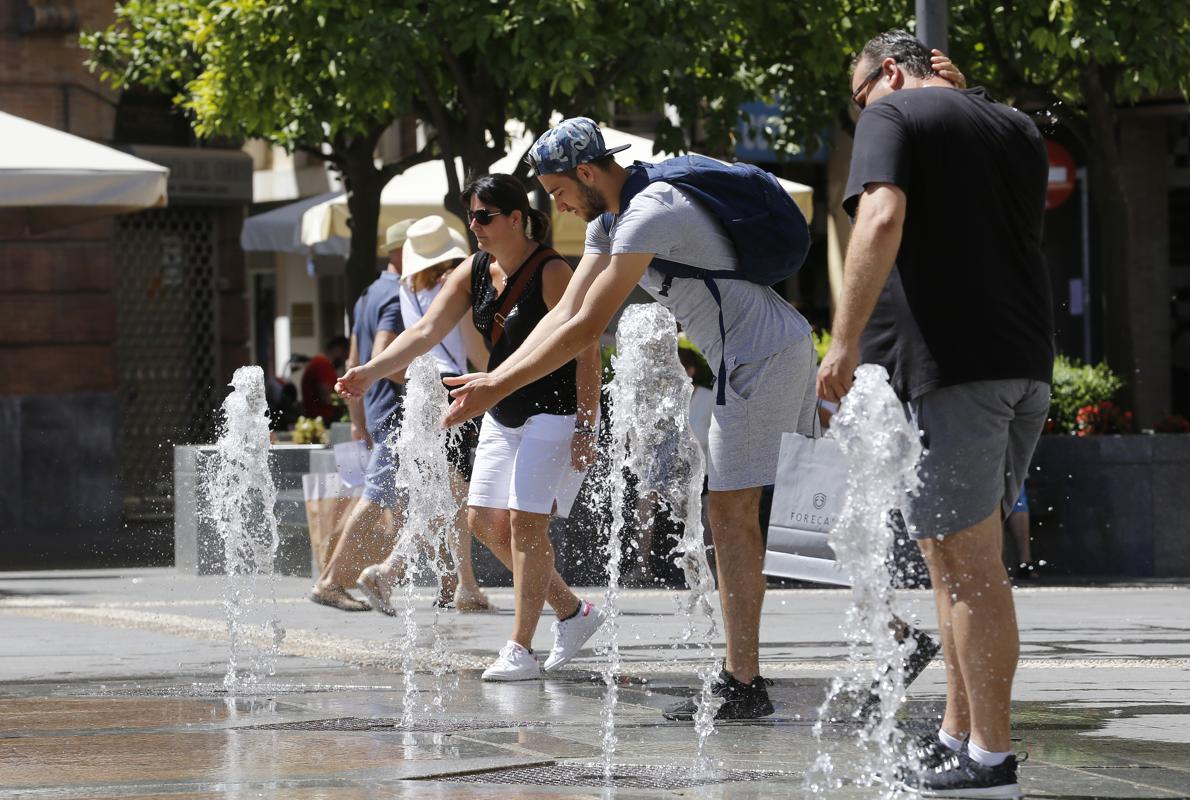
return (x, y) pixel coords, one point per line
(873, 75)
(482, 216)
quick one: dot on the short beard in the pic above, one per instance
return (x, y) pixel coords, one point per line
(593, 203)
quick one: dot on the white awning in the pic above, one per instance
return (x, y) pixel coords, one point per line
(421, 191)
(280, 230)
(49, 178)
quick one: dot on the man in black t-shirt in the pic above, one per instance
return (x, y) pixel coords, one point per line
(949, 187)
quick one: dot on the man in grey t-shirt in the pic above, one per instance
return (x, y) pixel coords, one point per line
(766, 350)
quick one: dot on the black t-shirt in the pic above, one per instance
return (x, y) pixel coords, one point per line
(969, 297)
(554, 393)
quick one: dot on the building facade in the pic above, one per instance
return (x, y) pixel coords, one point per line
(116, 337)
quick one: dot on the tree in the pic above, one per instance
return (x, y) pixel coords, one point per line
(308, 75)
(480, 64)
(1081, 63)
(328, 78)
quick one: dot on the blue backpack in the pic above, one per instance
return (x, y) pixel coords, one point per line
(767, 229)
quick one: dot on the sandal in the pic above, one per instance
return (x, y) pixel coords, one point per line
(337, 597)
(466, 601)
(379, 591)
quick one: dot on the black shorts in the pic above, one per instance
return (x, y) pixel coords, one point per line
(460, 446)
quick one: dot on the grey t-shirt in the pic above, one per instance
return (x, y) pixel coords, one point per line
(663, 221)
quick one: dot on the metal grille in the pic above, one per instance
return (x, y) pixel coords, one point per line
(213, 690)
(167, 344)
(382, 724)
(626, 776)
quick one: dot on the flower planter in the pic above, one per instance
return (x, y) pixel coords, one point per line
(1112, 506)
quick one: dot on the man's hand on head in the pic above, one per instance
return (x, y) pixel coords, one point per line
(945, 69)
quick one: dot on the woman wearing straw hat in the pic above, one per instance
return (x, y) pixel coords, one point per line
(431, 250)
(535, 445)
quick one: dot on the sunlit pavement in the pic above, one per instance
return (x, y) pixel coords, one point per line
(110, 687)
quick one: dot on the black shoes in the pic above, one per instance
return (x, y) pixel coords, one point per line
(964, 777)
(917, 661)
(931, 755)
(740, 700)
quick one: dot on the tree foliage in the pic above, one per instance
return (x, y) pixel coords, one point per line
(328, 77)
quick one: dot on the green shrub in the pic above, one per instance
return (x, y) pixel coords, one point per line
(822, 343)
(1077, 386)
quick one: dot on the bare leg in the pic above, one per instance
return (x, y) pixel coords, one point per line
(957, 719)
(532, 568)
(469, 596)
(492, 526)
(366, 540)
(975, 604)
(739, 558)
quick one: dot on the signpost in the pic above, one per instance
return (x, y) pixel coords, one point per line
(931, 23)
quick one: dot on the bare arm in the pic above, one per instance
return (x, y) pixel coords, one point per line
(587, 385)
(871, 253)
(577, 331)
(473, 342)
(560, 312)
(556, 279)
(355, 405)
(393, 354)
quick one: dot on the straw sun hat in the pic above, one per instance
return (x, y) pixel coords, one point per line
(394, 237)
(430, 241)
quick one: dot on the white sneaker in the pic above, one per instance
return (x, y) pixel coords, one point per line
(570, 635)
(514, 663)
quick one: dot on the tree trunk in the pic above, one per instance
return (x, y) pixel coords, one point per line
(364, 184)
(1110, 198)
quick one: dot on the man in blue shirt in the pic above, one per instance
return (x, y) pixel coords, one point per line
(366, 539)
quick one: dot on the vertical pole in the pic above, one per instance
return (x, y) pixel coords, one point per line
(1085, 225)
(931, 23)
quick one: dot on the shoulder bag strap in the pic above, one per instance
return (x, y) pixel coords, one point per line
(516, 288)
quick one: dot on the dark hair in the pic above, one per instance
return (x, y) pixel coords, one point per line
(338, 341)
(902, 47)
(508, 194)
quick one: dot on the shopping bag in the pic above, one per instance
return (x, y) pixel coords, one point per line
(808, 497)
(329, 502)
(351, 461)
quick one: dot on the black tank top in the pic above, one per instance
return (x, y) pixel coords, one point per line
(553, 394)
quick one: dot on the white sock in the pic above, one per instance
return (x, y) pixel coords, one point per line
(985, 757)
(953, 742)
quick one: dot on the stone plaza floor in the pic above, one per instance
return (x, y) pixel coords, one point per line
(110, 687)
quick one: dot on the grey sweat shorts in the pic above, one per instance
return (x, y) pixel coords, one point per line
(979, 439)
(764, 399)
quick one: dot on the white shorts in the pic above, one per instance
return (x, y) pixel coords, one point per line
(526, 468)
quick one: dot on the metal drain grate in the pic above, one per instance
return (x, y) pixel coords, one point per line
(214, 690)
(627, 776)
(387, 724)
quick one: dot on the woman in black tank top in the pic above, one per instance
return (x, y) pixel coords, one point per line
(535, 444)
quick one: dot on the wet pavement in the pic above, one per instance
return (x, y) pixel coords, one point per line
(110, 686)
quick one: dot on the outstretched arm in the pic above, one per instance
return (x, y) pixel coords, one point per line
(440, 318)
(871, 252)
(563, 310)
(568, 334)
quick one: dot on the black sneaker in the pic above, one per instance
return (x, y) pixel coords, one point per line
(966, 777)
(917, 661)
(740, 700)
(931, 754)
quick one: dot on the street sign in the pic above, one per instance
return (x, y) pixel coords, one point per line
(1061, 174)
